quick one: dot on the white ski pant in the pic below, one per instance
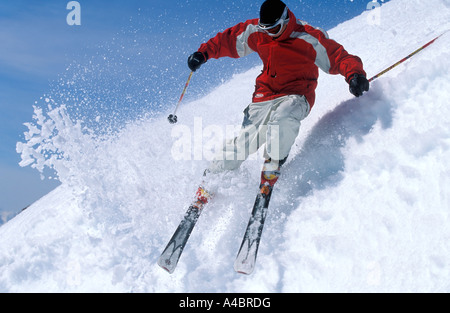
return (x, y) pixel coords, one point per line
(275, 122)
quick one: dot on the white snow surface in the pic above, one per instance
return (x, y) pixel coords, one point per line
(362, 205)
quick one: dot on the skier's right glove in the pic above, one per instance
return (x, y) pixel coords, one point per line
(196, 60)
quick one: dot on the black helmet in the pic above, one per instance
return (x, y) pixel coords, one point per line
(271, 11)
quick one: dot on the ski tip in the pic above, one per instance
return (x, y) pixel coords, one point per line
(243, 268)
(243, 272)
(166, 269)
(162, 264)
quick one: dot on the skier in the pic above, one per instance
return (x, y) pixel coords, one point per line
(291, 52)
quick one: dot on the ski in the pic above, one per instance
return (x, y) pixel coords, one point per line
(172, 253)
(246, 258)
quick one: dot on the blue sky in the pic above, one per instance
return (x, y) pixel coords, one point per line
(136, 52)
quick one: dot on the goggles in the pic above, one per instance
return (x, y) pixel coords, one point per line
(280, 22)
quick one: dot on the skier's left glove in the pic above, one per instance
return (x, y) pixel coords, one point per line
(196, 60)
(358, 84)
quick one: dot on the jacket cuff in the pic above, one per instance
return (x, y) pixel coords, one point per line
(205, 55)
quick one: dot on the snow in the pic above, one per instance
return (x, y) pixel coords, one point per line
(362, 204)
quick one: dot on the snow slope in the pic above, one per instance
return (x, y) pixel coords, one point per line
(362, 206)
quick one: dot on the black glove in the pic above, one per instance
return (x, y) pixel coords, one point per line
(196, 60)
(358, 84)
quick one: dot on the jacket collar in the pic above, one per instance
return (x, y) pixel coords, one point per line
(289, 28)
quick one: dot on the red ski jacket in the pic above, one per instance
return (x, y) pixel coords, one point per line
(291, 61)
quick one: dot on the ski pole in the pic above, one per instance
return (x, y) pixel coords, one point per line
(173, 117)
(404, 59)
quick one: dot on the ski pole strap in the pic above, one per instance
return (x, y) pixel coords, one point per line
(184, 91)
(404, 59)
